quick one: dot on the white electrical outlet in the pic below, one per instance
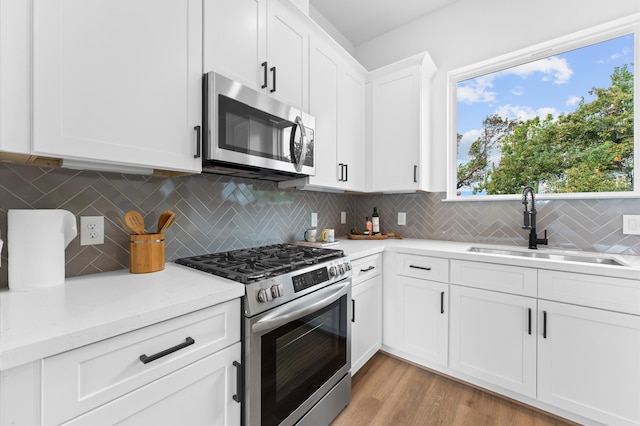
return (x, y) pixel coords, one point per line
(631, 224)
(343, 218)
(91, 230)
(402, 218)
(314, 219)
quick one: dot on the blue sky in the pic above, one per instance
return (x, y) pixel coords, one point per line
(550, 85)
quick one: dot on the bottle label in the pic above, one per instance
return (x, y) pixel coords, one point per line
(376, 225)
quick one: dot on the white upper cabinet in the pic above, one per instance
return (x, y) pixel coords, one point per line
(336, 100)
(351, 142)
(15, 82)
(118, 82)
(234, 40)
(263, 44)
(398, 97)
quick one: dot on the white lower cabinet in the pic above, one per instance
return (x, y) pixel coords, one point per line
(589, 362)
(493, 338)
(366, 326)
(200, 394)
(416, 309)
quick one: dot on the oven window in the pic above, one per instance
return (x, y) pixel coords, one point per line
(300, 357)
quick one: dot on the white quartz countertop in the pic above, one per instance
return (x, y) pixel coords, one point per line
(41, 323)
(457, 250)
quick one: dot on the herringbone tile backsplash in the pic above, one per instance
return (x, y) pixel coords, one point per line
(216, 213)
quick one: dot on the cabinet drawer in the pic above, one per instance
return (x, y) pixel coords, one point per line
(365, 268)
(615, 294)
(428, 268)
(81, 379)
(492, 276)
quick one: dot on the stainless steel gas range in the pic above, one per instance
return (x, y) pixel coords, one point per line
(297, 330)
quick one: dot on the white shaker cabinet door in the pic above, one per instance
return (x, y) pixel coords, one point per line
(323, 105)
(118, 81)
(201, 394)
(493, 338)
(234, 40)
(416, 320)
(351, 141)
(287, 55)
(366, 327)
(395, 131)
(589, 362)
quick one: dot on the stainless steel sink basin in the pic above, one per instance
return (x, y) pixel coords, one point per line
(598, 260)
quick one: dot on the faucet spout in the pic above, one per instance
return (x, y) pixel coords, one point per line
(530, 219)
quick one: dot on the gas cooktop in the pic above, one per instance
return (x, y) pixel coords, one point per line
(256, 264)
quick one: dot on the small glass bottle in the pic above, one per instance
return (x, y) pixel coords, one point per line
(368, 226)
(375, 221)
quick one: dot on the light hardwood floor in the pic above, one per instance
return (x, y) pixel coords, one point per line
(388, 391)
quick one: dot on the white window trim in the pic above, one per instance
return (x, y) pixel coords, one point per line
(559, 45)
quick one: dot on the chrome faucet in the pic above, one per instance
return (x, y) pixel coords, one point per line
(530, 219)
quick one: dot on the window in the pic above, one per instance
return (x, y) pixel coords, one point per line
(558, 117)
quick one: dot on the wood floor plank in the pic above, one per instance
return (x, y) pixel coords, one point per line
(388, 391)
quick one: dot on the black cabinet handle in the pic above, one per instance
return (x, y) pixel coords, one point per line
(544, 324)
(346, 172)
(238, 396)
(273, 74)
(424, 268)
(370, 268)
(197, 154)
(442, 302)
(529, 321)
(415, 173)
(353, 310)
(147, 359)
(264, 69)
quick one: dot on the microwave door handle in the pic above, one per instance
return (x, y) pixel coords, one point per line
(303, 137)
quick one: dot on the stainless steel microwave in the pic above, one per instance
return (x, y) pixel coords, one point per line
(250, 134)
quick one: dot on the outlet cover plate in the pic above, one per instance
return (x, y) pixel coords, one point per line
(631, 224)
(402, 218)
(91, 230)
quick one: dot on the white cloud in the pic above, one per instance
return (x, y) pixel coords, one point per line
(524, 113)
(517, 91)
(551, 67)
(614, 56)
(573, 101)
(477, 90)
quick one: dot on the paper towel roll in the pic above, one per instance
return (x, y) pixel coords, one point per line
(36, 240)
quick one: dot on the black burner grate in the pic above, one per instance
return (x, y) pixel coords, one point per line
(255, 264)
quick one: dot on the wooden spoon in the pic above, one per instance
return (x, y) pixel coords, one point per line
(162, 219)
(171, 217)
(125, 226)
(135, 221)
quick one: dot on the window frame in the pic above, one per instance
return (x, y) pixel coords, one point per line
(542, 50)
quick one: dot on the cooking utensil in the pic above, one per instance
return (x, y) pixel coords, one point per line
(162, 219)
(135, 221)
(125, 226)
(171, 217)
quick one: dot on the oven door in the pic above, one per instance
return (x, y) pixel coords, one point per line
(296, 354)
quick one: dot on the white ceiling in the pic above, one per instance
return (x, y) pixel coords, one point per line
(363, 20)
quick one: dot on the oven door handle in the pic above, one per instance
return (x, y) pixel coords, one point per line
(281, 316)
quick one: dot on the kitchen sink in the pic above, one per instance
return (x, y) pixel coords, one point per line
(598, 260)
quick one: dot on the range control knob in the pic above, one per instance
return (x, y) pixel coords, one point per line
(264, 295)
(276, 290)
(347, 266)
(333, 271)
(341, 268)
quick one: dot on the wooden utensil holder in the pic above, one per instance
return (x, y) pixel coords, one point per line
(146, 253)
